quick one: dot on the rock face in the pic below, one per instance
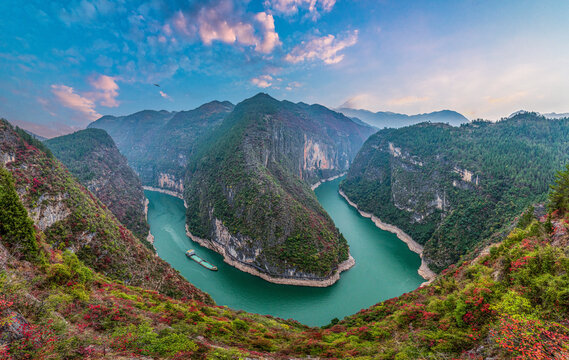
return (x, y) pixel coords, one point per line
(248, 187)
(70, 217)
(157, 144)
(450, 187)
(92, 156)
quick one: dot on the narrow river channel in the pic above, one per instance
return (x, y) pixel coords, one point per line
(385, 267)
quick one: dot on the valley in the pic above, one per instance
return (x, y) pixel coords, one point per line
(384, 268)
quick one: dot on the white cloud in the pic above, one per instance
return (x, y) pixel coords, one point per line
(263, 81)
(68, 98)
(324, 48)
(220, 21)
(290, 7)
(164, 95)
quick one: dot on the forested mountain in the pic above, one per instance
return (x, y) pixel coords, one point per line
(69, 217)
(93, 158)
(157, 143)
(248, 188)
(387, 119)
(510, 302)
(450, 188)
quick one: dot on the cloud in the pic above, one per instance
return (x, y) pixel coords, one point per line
(324, 48)
(263, 81)
(290, 7)
(270, 37)
(68, 98)
(292, 85)
(164, 95)
(221, 21)
(108, 91)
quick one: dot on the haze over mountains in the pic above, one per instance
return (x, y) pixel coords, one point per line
(387, 119)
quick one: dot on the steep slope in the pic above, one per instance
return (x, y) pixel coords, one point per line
(386, 119)
(248, 191)
(509, 302)
(450, 188)
(93, 158)
(157, 143)
(72, 218)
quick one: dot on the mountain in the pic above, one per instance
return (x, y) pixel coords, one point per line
(508, 301)
(93, 158)
(69, 217)
(157, 143)
(386, 119)
(551, 115)
(450, 188)
(248, 189)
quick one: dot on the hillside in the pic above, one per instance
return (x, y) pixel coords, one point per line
(387, 119)
(248, 189)
(71, 218)
(510, 302)
(450, 188)
(157, 144)
(93, 158)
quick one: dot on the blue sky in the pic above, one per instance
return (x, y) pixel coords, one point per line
(65, 63)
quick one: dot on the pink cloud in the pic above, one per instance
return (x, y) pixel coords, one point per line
(324, 48)
(108, 91)
(222, 22)
(164, 95)
(105, 94)
(263, 81)
(68, 98)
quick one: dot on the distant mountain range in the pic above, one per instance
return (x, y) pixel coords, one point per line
(551, 115)
(387, 119)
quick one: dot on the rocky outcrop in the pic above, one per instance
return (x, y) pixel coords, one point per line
(169, 181)
(93, 158)
(249, 194)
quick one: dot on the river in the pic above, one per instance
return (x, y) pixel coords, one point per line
(385, 267)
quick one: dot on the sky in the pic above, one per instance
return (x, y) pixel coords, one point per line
(63, 64)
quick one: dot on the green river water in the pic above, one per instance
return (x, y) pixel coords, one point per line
(385, 267)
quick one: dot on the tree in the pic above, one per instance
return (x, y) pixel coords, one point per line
(16, 228)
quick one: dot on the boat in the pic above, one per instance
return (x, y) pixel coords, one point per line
(192, 255)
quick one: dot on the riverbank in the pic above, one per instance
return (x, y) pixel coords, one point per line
(149, 237)
(313, 187)
(414, 246)
(343, 266)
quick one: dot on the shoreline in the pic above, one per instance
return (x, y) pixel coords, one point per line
(149, 237)
(320, 182)
(415, 247)
(343, 266)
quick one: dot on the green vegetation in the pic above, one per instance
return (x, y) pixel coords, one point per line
(249, 175)
(511, 164)
(158, 143)
(92, 157)
(510, 302)
(16, 229)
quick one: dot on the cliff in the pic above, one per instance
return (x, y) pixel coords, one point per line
(93, 158)
(157, 144)
(248, 188)
(451, 188)
(70, 217)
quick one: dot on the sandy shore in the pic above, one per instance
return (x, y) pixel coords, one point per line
(248, 269)
(424, 270)
(313, 187)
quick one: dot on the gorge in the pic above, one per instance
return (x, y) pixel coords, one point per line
(385, 267)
